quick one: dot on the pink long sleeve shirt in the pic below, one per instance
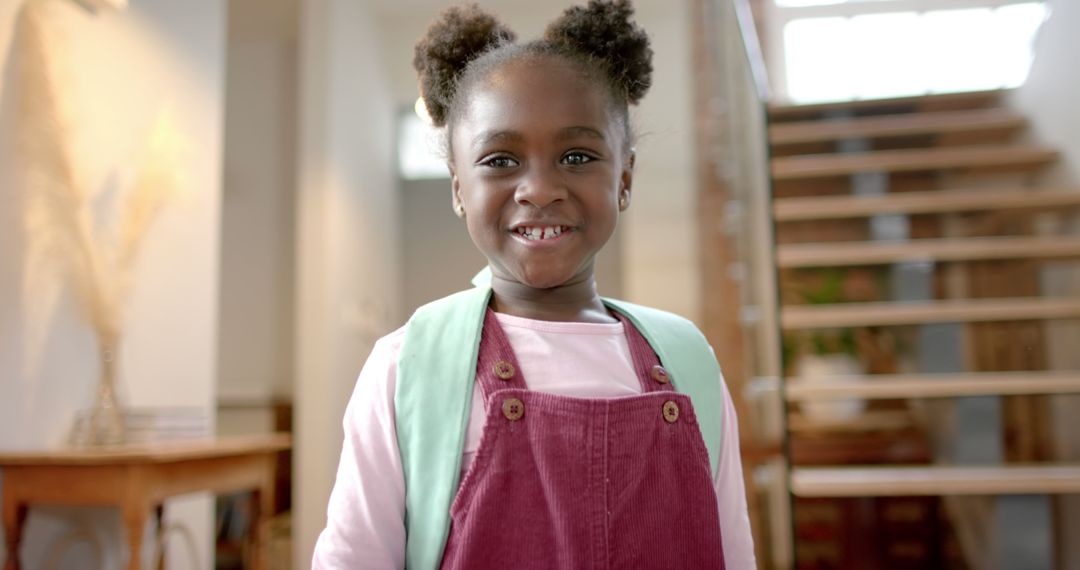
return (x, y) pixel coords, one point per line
(365, 518)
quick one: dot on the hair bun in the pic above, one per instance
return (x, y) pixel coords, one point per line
(604, 29)
(460, 35)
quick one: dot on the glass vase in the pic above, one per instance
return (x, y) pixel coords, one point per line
(104, 423)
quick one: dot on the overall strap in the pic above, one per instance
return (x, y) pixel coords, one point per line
(432, 399)
(497, 366)
(689, 360)
(651, 375)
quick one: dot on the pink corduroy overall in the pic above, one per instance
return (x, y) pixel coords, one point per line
(563, 482)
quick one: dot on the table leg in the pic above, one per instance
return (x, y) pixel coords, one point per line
(159, 519)
(14, 520)
(262, 511)
(257, 531)
(135, 524)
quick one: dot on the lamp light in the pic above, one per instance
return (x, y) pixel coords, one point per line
(421, 111)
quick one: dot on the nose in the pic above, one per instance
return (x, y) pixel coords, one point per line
(541, 186)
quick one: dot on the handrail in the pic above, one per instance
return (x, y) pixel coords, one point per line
(752, 46)
(732, 96)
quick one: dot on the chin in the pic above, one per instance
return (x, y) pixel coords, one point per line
(545, 280)
(543, 283)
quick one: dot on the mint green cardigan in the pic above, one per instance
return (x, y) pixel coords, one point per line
(432, 400)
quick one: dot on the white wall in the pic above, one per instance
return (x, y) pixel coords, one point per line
(657, 239)
(258, 216)
(124, 68)
(347, 244)
(438, 258)
(1049, 97)
(660, 246)
(1049, 100)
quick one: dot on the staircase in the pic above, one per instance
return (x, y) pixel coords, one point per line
(912, 233)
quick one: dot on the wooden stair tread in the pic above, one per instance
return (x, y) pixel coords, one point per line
(909, 160)
(848, 206)
(891, 421)
(781, 112)
(934, 480)
(951, 249)
(883, 126)
(890, 386)
(922, 312)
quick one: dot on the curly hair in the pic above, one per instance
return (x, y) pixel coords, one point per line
(465, 44)
(459, 36)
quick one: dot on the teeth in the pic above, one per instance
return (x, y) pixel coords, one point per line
(537, 232)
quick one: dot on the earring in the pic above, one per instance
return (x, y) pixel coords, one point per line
(624, 201)
(459, 210)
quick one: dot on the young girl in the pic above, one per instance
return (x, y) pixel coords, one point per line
(528, 422)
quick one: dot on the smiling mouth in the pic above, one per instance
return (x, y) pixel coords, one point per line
(540, 233)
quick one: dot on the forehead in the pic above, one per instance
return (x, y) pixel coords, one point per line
(535, 95)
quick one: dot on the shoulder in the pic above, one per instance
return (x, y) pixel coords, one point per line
(650, 311)
(678, 341)
(391, 343)
(466, 298)
(453, 319)
(686, 354)
(370, 406)
(651, 317)
(380, 369)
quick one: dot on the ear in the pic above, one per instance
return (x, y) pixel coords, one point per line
(626, 181)
(455, 192)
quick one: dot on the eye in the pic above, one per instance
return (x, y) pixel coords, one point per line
(498, 161)
(577, 158)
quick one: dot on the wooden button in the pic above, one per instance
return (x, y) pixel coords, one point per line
(504, 370)
(660, 375)
(514, 408)
(671, 411)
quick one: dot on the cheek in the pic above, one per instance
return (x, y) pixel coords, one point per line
(482, 229)
(607, 194)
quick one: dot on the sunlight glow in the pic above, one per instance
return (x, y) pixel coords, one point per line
(908, 53)
(418, 148)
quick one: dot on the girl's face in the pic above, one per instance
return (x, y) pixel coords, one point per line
(540, 167)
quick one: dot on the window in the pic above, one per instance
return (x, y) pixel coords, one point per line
(885, 53)
(418, 149)
(805, 3)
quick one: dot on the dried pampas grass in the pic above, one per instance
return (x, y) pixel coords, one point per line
(68, 247)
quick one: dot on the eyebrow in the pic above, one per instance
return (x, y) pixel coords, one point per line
(489, 137)
(574, 132)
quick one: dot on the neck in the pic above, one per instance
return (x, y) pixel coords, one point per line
(574, 301)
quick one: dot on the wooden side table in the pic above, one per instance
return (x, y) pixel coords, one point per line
(138, 479)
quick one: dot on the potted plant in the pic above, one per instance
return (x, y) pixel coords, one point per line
(826, 356)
